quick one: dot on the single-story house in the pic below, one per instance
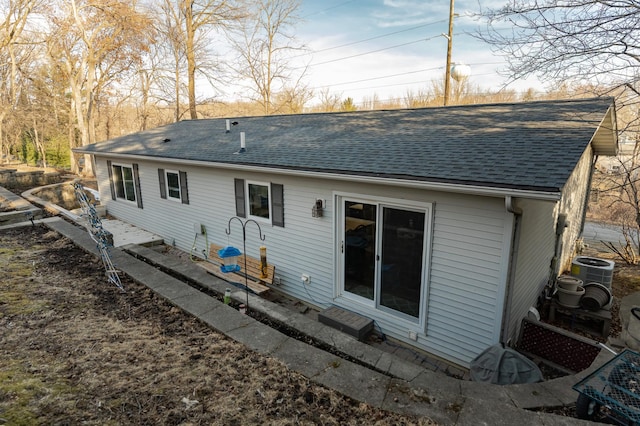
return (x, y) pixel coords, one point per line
(444, 225)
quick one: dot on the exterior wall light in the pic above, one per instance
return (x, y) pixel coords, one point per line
(316, 210)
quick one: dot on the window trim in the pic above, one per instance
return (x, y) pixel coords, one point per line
(183, 188)
(119, 177)
(168, 189)
(276, 202)
(248, 184)
(344, 298)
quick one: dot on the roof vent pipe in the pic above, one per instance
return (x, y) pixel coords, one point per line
(243, 145)
(228, 125)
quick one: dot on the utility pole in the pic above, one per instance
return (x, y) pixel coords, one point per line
(447, 71)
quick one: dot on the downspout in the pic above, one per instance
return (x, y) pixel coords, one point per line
(511, 273)
(554, 267)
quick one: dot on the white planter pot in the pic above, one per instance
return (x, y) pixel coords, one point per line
(568, 282)
(569, 298)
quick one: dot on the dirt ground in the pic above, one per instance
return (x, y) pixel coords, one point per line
(76, 350)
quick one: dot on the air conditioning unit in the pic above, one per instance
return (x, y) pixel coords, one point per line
(593, 269)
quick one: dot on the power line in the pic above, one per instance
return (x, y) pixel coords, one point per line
(379, 36)
(364, 53)
(370, 52)
(377, 78)
(398, 75)
(365, 40)
(328, 8)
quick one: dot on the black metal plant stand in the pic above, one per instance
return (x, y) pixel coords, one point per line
(244, 248)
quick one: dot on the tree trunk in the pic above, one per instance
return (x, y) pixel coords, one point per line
(39, 144)
(4, 148)
(177, 87)
(191, 58)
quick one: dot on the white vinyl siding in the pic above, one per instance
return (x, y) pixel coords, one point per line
(466, 271)
(533, 261)
(305, 245)
(538, 241)
(467, 274)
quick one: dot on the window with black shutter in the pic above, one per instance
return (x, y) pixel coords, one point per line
(260, 201)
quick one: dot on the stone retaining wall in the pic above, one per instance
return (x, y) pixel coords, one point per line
(12, 178)
(62, 195)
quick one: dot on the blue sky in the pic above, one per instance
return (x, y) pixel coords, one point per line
(406, 36)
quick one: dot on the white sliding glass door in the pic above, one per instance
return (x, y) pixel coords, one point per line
(382, 253)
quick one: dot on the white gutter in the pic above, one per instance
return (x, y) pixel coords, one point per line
(436, 186)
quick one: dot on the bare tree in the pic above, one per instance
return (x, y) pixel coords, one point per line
(265, 46)
(13, 56)
(618, 195)
(616, 189)
(368, 102)
(199, 17)
(421, 98)
(592, 45)
(171, 49)
(329, 102)
(593, 41)
(291, 100)
(97, 44)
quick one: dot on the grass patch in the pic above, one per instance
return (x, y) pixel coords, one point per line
(22, 393)
(18, 303)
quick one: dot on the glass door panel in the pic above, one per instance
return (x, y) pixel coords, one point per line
(359, 248)
(402, 259)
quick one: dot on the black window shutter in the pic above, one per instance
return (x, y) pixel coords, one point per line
(111, 185)
(184, 191)
(163, 185)
(277, 204)
(136, 180)
(240, 203)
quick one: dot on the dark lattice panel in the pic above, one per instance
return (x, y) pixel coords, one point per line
(556, 346)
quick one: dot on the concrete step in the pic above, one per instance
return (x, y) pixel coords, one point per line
(348, 322)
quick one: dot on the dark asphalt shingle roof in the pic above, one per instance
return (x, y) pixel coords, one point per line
(530, 146)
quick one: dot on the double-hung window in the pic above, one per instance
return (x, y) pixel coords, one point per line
(124, 181)
(260, 200)
(173, 185)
